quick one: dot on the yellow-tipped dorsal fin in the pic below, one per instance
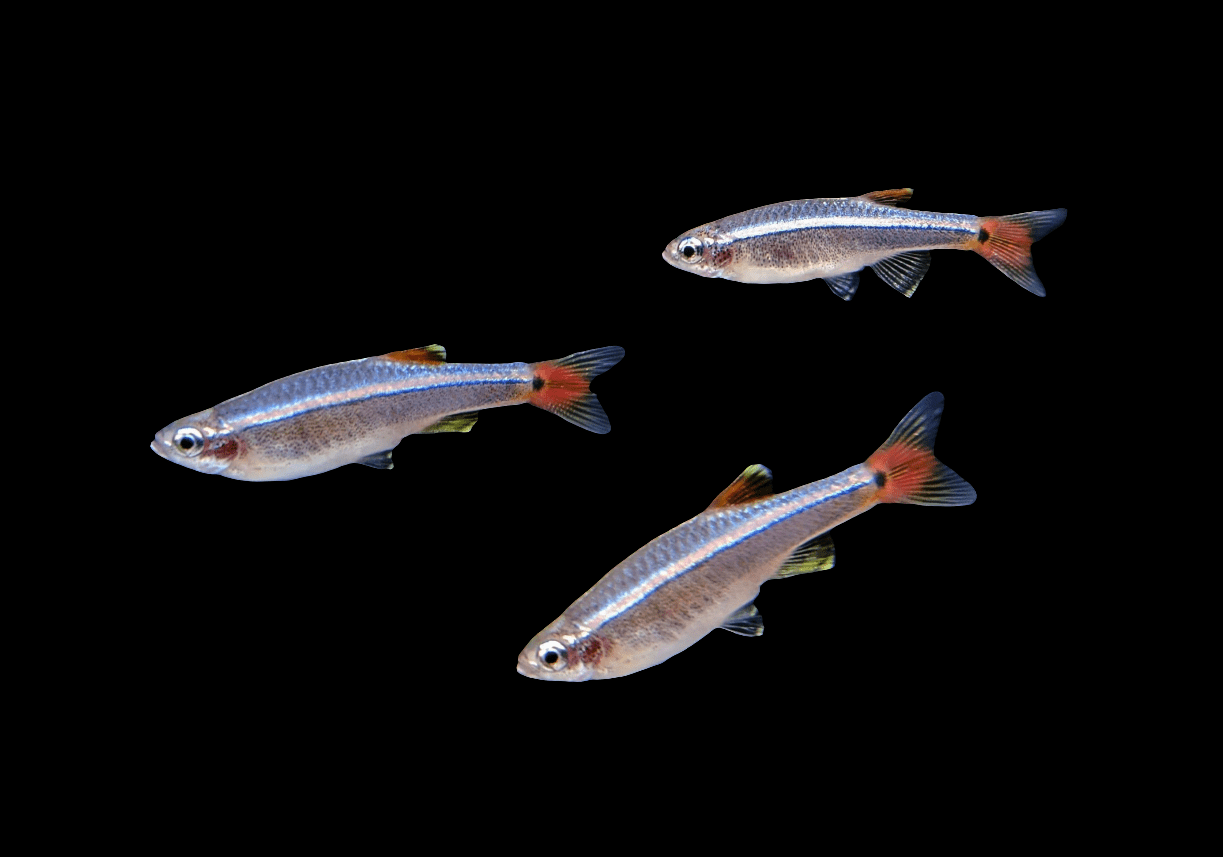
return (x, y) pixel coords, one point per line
(428, 354)
(754, 483)
(889, 197)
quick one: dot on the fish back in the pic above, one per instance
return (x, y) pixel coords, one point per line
(808, 238)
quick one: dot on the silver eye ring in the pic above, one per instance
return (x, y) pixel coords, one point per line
(553, 655)
(690, 249)
(189, 442)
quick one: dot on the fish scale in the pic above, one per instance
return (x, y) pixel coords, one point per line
(834, 238)
(705, 573)
(356, 412)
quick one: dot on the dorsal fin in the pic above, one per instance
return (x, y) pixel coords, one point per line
(889, 197)
(752, 484)
(428, 354)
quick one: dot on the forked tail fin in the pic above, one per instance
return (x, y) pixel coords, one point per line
(906, 469)
(1007, 243)
(563, 387)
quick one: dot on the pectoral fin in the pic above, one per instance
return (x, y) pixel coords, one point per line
(378, 460)
(746, 622)
(843, 286)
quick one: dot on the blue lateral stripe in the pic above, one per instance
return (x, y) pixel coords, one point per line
(365, 398)
(743, 538)
(906, 227)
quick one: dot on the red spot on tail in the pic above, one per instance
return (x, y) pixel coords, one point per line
(905, 470)
(561, 386)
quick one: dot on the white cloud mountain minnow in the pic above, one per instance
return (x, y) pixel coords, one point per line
(836, 238)
(357, 412)
(705, 573)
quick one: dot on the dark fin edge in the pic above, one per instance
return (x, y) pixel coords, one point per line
(752, 484)
(564, 386)
(907, 470)
(746, 622)
(843, 286)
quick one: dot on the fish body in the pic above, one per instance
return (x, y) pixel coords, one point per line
(835, 238)
(358, 411)
(705, 573)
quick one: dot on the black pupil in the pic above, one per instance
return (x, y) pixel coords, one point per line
(551, 658)
(186, 443)
(688, 252)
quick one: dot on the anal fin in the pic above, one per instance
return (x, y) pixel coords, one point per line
(746, 622)
(815, 554)
(843, 286)
(453, 422)
(378, 460)
(903, 271)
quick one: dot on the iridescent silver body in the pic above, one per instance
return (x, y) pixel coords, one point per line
(334, 415)
(803, 239)
(688, 581)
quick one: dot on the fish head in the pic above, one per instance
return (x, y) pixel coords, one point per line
(698, 251)
(199, 441)
(559, 654)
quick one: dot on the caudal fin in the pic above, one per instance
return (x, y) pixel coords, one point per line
(563, 386)
(906, 470)
(1007, 243)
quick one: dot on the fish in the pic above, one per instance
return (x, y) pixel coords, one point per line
(835, 238)
(706, 573)
(358, 411)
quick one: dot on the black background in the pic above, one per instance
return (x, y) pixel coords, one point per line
(294, 226)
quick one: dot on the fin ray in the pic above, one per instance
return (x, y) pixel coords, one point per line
(903, 271)
(889, 197)
(563, 386)
(746, 622)
(378, 460)
(815, 554)
(1007, 243)
(843, 286)
(453, 422)
(752, 484)
(427, 354)
(908, 472)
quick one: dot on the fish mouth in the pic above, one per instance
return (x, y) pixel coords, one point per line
(157, 447)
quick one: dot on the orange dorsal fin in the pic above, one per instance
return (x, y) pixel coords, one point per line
(890, 197)
(428, 354)
(753, 484)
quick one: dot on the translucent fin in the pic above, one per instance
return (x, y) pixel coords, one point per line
(428, 354)
(903, 271)
(751, 485)
(1007, 243)
(563, 387)
(816, 554)
(906, 470)
(843, 286)
(889, 197)
(454, 422)
(746, 622)
(378, 460)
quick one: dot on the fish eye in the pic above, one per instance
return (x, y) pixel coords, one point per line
(189, 441)
(691, 249)
(553, 655)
